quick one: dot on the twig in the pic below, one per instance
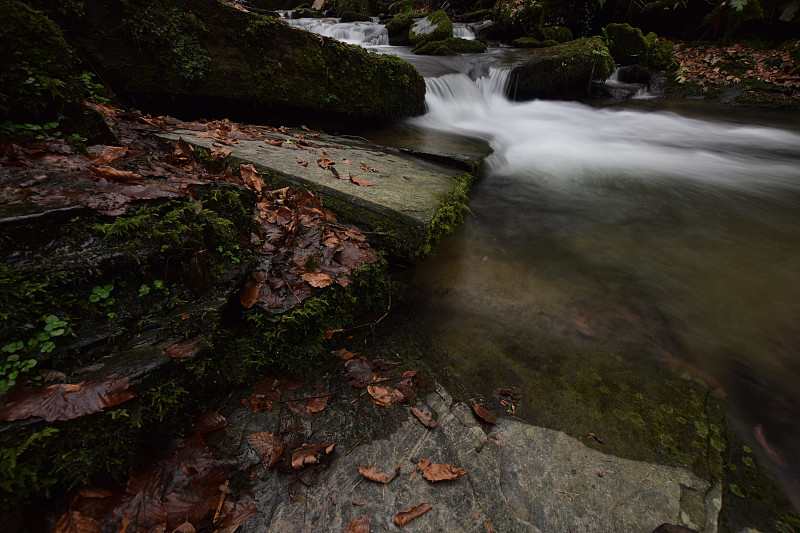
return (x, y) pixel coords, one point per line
(306, 398)
(570, 494)
(356, 444)
(290, 288)
(221, 501)
(354, 400)
(357, 484)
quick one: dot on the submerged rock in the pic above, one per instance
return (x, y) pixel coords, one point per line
(561, 71)
(206, 57)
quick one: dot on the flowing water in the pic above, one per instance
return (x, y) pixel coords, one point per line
(613, 252)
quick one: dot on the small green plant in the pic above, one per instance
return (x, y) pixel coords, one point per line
(20, 359)
(14, 366)
(35, 131)
(228, 254)
(102, 295)
(158, 285)
(95, 90)
(680, 76)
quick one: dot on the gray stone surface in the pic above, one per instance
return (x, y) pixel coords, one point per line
(521, 478)
(405, 187)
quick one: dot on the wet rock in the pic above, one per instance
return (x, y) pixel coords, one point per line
(521, 478)
(206, 57)
(627, 43)
(435, 27)
(561, 71)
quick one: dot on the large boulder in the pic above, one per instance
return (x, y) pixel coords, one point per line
(563, 71)
(627, 43)
(398, 28)
(519, 18)
(435, 27)
(450, 47)
(205, 57)
(41, 82)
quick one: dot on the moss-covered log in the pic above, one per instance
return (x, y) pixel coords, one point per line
(561, 71)
(204, 57)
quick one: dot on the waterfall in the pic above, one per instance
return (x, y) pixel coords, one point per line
(361, 33)
(463, 31)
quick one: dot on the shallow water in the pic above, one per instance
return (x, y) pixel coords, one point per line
(613, 250)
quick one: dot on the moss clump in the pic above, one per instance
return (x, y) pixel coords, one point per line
(530, 42)
(559, 34)
(398, 29)
(627, 44)
(564, 70)
(435, 27)
(352, 16)
(520, 19)
(660, 53)
(450, 47)
(174, 37)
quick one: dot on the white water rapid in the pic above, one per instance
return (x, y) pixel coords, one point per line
(362, 33)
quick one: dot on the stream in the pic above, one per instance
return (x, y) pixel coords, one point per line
(616, 256)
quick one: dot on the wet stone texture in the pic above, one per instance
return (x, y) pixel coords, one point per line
(522, 478)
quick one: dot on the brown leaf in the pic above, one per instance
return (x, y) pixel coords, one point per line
(268, 446)
(111, 173)
(331, 332)
(310, 454)
(66, 401)
(362, 183)
(424, 417)
(273, 142)
(183, 151)
(360, 524)
(193, 500)
(488, 527)
(317, 280)
(373, 474)
(251, 177)
(108, 155)
(325, 162)
(437, 472)
(181, 350)
(343, 353)
(384, 396)
(76, 522)
(315, 405)
(186, 527)
(508, 395)
(264, 395)
(367, 169)
(219, 153)
(249, 295)
(404, 517)
(346, 161)
(192, 455)
(236, 513)
(208, 421)
(304, 163)
(482, 412)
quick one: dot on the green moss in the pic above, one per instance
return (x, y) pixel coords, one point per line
(398, 29)
(435, 27)
(559, 34)
(660, 53)
(477, 16)
(530, 42)
(627, 44)
(520, 19)
(351, 16)
(449, 47)
(173, 36)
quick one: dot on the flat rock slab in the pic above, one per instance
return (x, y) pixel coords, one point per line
(405, 188)
(521, 478)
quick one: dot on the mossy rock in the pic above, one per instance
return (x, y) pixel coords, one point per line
(477, 16)
(660, 52)
(307, 13)
(363, 7)
(352, 16)
(627, 43)
(522, 18)
(435, 27)
(398, 29)
(219, 61)
(530, 42)
(450, 47)
(562, 71)
(40, 79)
(560, 34)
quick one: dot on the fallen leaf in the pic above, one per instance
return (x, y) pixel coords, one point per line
(249, 295)
(346, 161)
(111, 173)
(264, 396)
(219, 153)
(208, 421)
(331, 332)
(373, 474)
(384, 396)
(367, 169)
(318, 280)
(325, 163)
(424, 417)
(186, 527)
(437, 472)
(315, 405)
(488, 527)
(66, 401)
(360, 182)
(251, 177)
(268, 446)
(108, 155)
(304, 163)
(234, 514)
(181, 350)
(360, 524)
(482, 412)
(404, 517)
(310, 454)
